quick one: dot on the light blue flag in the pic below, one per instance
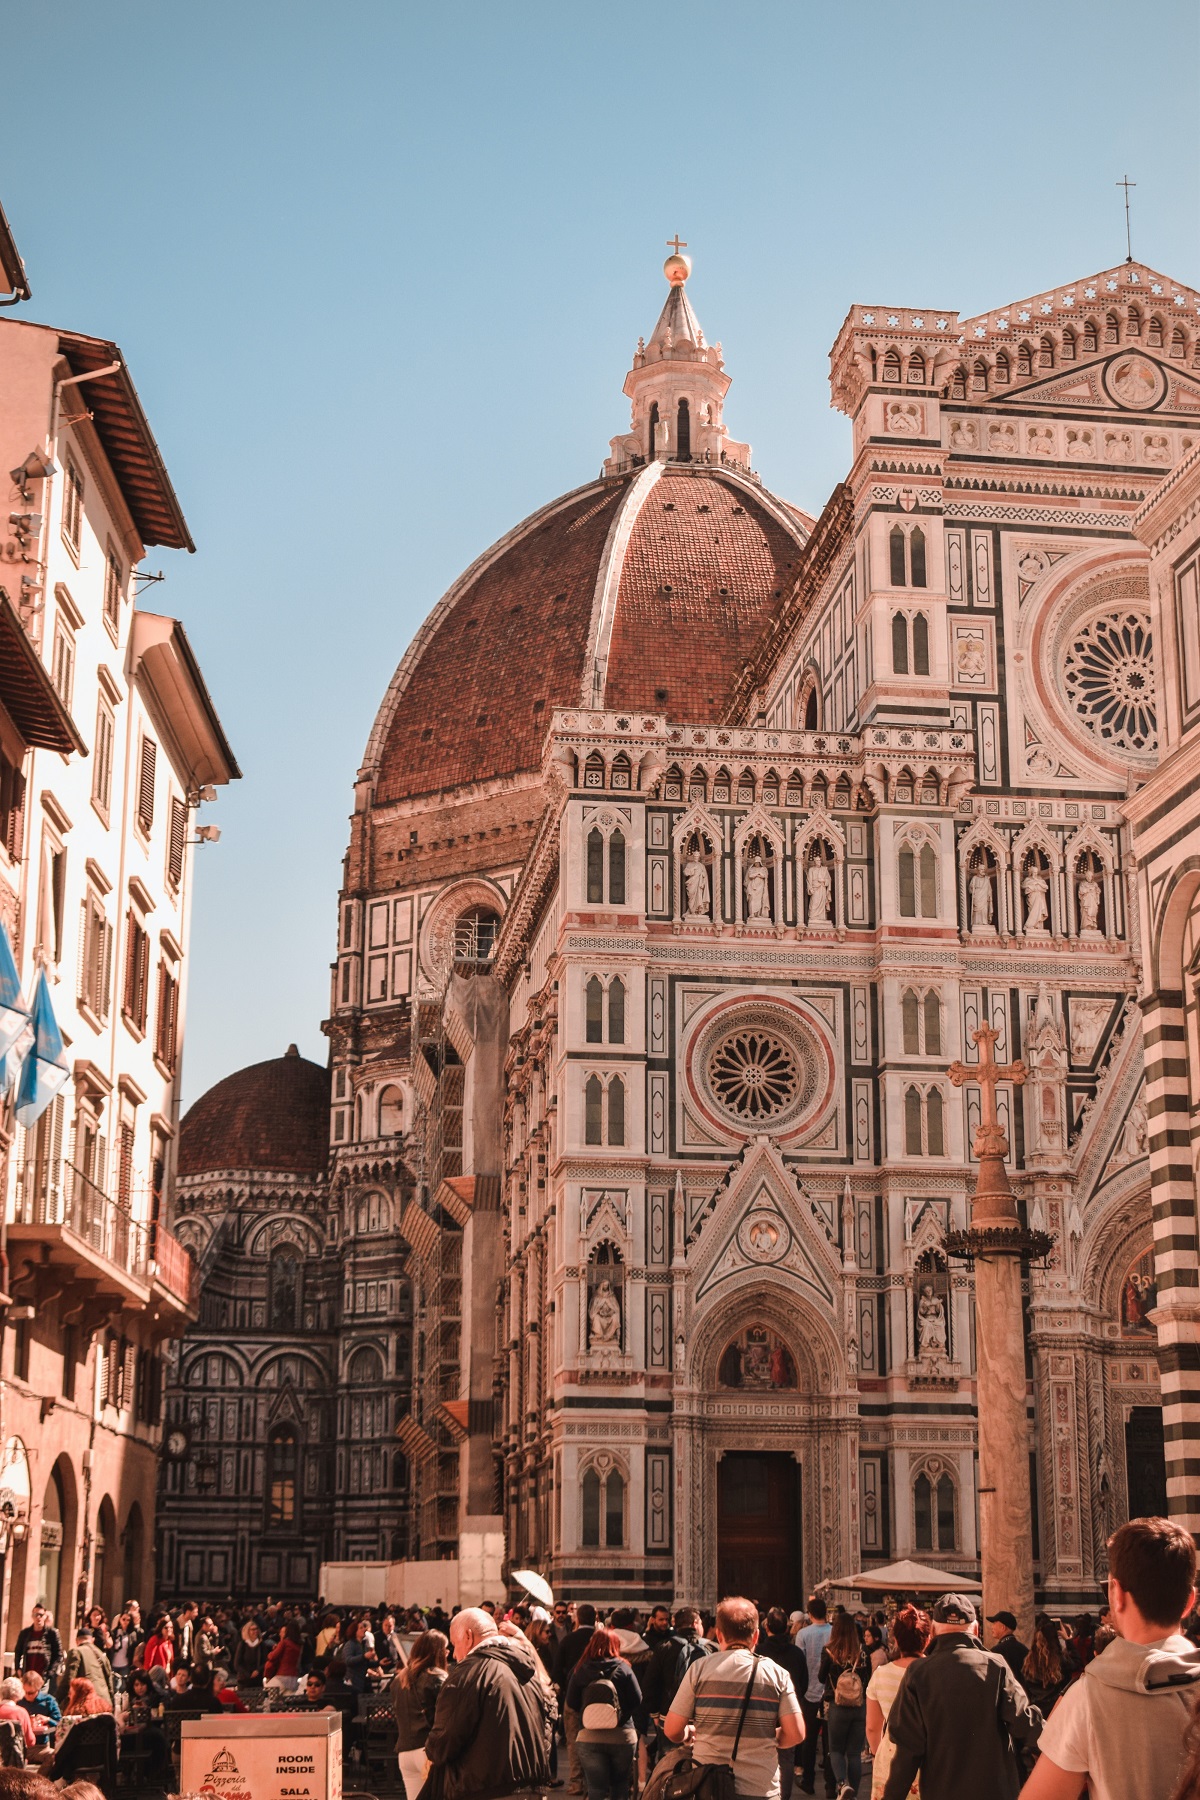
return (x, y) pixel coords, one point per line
(14, 1014)
(45, 1066)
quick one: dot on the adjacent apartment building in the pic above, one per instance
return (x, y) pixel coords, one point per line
(109, 741)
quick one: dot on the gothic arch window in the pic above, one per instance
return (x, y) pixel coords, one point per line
(391, 1112)
(616, 869)
(916, 369)
(603, 1508)
(913, 1110)
(595, 867)
(1179, 344)
(935, 1509)
(1046, 353)
(931, 1016)
(590, 1496)
(1068, 344)
(1091, 336)
(374, 1214)
(616, 1011)
(616, 1111)
(1135, 322)
(622, 771)
(897, 557)
(770, 788)
(931, 790)
(924, 1122)
(593, 1110)
(1154, 333)
(979, 376)
(935, 1133)
(920, 631)
(1112, 328)
(921, 1022)
(812, 710)
(918, 881)
(904, 789)
(1003, 369)
(697, 784)
(285, 1279)
(364, 1368)
(745, 788)
(282, 1459)
(958, 384)
(891, 366)
(653, 430)
(722, 784)
(594, 1033)
(899, 642)
(593, 771)
(683, 432)
(910, 1015)
(916, 556)
(1024, 359)
(673, 783)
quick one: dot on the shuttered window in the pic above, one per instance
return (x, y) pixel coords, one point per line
(165, 1031)
(12, 807)
(176, 840)
(113, 582)
(145, 800)
(72, 519)
(95, 958)
(102, 754)
(63, 671)
(137, 971)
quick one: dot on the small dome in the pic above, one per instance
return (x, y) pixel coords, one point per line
(272, 1116)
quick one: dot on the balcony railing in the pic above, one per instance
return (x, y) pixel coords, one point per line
(77, 1205)
(175, 1269)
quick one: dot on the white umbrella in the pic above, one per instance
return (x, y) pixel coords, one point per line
(909, 1577)
(534, 1584)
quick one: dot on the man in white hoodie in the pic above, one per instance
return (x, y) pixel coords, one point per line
(1121, 1725)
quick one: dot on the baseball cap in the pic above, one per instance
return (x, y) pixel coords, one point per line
(953, 1609)
(1003, 1618)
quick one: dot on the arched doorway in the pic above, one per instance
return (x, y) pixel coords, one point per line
(104, 1557)
(133, 1540)
(59, 1535)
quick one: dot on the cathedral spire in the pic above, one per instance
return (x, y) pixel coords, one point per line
(677, 385)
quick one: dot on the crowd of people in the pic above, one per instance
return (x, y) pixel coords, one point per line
(674, 1704)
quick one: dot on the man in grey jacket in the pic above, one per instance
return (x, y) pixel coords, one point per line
(956, 1713)
(1120, 1727)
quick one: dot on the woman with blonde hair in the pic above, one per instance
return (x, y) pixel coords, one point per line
(415, 1693)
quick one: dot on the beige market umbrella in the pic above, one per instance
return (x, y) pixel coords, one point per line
(908, 1577)
(534, 1584)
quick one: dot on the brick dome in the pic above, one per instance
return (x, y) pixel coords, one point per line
(272, 1116)
(646, 590)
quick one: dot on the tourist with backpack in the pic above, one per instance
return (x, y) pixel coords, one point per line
(603, 1690)
(845, 1671)
(739, 1711)
(671, 1661)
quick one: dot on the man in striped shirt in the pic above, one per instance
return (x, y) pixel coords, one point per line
(710, 1703)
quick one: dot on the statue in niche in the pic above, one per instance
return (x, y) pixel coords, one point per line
(1087, 891)
(931, 1323)
(1133, 1141)
(604, 1318)
(819, 886)
(980, 887)
(1036, 890)
(696, 891)
(758, 898)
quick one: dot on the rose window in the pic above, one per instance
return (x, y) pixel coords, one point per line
(753, 1074)
(1108, 675)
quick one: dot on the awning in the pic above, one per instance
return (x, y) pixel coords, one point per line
(908, 1578)
(27, 693)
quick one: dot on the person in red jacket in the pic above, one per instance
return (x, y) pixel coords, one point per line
(282, 1668)
(160, 1653)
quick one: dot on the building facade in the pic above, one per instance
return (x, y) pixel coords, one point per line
(694, 838)
(283, 1399)
(108, 742)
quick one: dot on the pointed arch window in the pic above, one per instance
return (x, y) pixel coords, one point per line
(683, 432)
(593, 771)
(595, 867)
(899, 644)
(935, 1139)
(1135, 322)
(1154, 333)
(616, 1011)
(1003, 369)
(911, 1023)
(979, 376)
(282, 1451)
(920, 634)
(1068, 344)
(958, 384)
(907, 882)
(929, 905)
(934, 1512)
(614, 1510)
(616, 869)
(653, 430)
(916, 556)
(602, 1510)
(897, 558)
(812, 714)
(891, 366)
(285, 1279)
(1024, 359)
(916, 369)
(590, 1497)
(1046, 353)
(912, 1122)
(594, 1032)
(593, 1104)
(616, 1111)
(1091, 336)
(1112, 328)
(622, 771)
(932, 1010)
(1179, 343)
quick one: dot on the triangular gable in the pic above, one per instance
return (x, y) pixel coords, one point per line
(764, 1222)
(1077, 299)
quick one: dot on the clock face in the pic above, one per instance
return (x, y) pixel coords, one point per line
(176, 1443)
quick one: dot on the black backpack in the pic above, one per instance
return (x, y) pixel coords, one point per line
(601, 1709)
(690, 1651)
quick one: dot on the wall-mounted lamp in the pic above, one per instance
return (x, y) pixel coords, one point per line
(207, 834)
(36, 467)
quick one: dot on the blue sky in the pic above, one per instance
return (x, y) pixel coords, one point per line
(379, 270)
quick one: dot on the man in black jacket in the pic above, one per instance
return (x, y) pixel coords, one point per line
(39, 1647)
(780, 1647)
(495, 1713)
(956, 1713)
(1006, 1643)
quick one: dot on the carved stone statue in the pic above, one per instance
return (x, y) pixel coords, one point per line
(980, 886)
(820, 890)
(1035, 888)
(931, 1323)
(758, 898)
(604, 1317)
(1133, 1142)
(696, 890)
(1088, 893)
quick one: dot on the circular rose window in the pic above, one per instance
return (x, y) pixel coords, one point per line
(760, 1066)
(1108, 675)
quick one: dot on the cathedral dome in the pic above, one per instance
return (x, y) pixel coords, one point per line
(647, 590)
(272, 1116)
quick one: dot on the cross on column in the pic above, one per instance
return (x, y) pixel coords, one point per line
(677, 243)
(1126, 184)
(989, 1139)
